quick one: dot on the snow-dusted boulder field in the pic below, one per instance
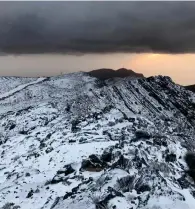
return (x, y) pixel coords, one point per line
(76, 142)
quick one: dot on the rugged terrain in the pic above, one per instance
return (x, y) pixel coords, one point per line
(190, 88)
(75, 141)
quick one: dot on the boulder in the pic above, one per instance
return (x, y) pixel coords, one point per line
(93, 164)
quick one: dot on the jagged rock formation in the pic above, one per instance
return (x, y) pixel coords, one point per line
(75, 141)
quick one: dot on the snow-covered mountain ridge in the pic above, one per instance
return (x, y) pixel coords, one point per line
(74, 141)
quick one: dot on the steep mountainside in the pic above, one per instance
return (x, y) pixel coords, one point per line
(105, 74)
(74, 141)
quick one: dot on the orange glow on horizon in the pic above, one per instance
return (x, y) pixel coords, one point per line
(180, 67)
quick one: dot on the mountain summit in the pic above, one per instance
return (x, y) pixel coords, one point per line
(105, 73)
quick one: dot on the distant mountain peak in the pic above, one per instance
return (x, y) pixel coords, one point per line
(106, 73)
(124, 70)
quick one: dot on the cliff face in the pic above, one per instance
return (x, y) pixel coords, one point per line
(75, 141)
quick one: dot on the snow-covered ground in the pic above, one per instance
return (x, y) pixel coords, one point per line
(76, 142)
(19, 88)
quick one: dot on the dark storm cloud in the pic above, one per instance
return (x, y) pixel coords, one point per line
(97, 27)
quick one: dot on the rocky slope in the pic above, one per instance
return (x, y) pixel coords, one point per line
(74, 141)
(190, 88)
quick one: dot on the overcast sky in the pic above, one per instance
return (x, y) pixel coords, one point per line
(53, 37)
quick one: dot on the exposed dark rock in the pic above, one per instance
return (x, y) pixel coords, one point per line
(55, 202)
(190, 160)
(37, 191)
(141, 134)
(68, 107)
(160, 141)
(75, 189)
(111, 123)
(27, 174)
(61, 175)
(82, 140)
(104, 73)
(23, 132)
(193, 193)
(66, 170)
(93, 158)
(107, 109)
(190, 88)
(108, 134)
(49, 149)
(48, 136)
(8, 205)
(72, 141)
(67, 195)
(122, 162)
(183, 182)
(16, 207)
(42, 145)
(107, 155)
(93, 164)
(75, 127)
(112, 193)
(56, 179)
(143, 188)
(125, 184)
(12, 126)
(191, 173)
(170, 158)
(30, 194)
(132, 120)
